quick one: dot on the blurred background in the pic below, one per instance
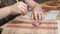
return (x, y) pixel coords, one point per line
(4, 3)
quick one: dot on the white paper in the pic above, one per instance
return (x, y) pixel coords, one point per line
(52, 14)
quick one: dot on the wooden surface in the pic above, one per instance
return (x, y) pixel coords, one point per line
(21, 28)
(26, 27)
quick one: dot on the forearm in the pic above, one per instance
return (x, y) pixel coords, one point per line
(34, 5)
(31, 3)
(37, 8)
(4, 12)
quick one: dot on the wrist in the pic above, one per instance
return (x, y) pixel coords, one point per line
(9, 10)
(38, 8)
(13, 9)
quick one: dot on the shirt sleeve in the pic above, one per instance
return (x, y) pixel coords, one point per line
(7, 19)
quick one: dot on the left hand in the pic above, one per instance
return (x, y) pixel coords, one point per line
(37, 15)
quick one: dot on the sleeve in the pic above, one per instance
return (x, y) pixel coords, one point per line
(7, 19)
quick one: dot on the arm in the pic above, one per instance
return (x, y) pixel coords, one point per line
(37, 10)
(31, 3)
(18, 8)
(4, 12)
(34, 5)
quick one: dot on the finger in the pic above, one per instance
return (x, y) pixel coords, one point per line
(36, 16)
(23, 9)
(42, 16)
(23, 4)
(39, 16)
(17, 11)
(32, 16)
(20, 6)
(20, 10)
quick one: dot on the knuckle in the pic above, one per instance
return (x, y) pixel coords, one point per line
(26, 5)
(20, 2)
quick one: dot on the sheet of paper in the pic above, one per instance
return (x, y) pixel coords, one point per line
(51, 15)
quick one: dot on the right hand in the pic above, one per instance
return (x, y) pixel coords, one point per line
(19, 8)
